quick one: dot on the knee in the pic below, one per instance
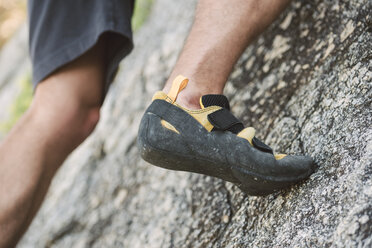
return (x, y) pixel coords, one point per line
(72, 120)
(85, 120)
(79, 121)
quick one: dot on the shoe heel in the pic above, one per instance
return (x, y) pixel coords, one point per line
(145, 143)
(182, 145)
(152, 141)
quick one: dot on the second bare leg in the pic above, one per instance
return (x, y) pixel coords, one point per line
(63, 113)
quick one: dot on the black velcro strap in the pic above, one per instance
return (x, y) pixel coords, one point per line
(215, 100)
(261, 146)
(224, 120)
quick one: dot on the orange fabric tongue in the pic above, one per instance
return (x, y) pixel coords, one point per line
(179, 83)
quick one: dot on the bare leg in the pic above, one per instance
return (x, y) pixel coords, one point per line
(63, 113)
(221, 32)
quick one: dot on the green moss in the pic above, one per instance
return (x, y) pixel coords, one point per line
(20, 104)
(142, 9)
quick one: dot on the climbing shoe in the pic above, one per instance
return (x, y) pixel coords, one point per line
(211, 141)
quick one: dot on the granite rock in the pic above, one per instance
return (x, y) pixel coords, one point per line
(305, 85)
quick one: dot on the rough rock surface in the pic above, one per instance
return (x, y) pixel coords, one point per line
(305, 84)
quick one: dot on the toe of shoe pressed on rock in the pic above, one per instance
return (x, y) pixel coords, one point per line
(299, 167)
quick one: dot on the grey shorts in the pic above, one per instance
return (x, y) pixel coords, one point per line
(63, 30)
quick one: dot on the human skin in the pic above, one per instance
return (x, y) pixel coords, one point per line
(66, 105)
(64, 111)
(221, 32)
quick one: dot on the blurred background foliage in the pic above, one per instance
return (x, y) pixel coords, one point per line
(20, 103)
(142, 9)
(13, 14)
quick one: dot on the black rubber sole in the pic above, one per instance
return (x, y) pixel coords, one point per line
(219, 154)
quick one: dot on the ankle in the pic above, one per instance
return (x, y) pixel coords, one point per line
(189, 99)
(195, 89)
(190, 96)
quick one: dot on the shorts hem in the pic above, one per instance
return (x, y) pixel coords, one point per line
(78, 47)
